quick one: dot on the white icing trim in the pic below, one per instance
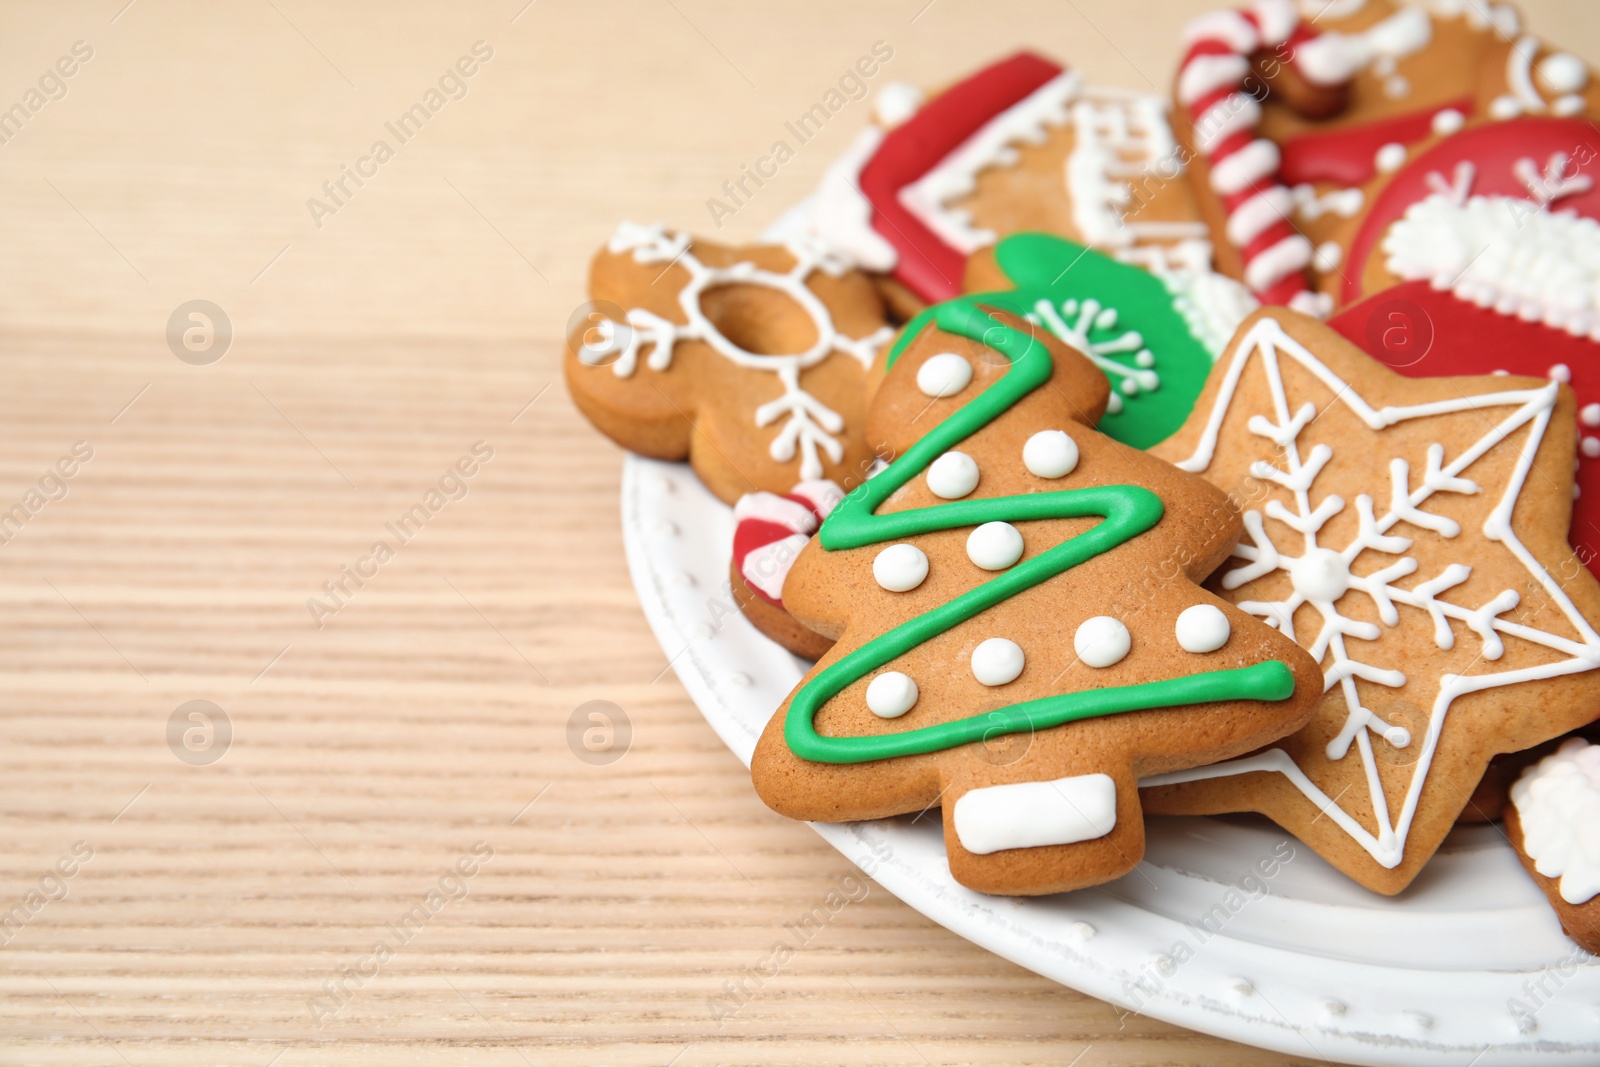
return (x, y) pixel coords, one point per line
(1263, 209)
(1036, 814)
(770, 507)
(1558, 804)
(1079, 323)
(1268, 344)
(767, 567)
(1212, 305)
(1271, 265)
(1204, 75)
(841, 214)
(1506, 254)
(1028, 121)
(809, 426)
(1255, 162)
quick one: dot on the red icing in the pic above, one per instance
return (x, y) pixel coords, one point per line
(1421, 333)
(1492, 149)
(751, 534)
(1346, 156)
(926, 265)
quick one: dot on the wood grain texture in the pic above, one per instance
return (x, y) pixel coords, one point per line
(429, 713)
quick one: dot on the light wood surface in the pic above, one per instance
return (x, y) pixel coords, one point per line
(428, 714)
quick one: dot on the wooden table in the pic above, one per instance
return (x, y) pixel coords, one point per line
(283, 887)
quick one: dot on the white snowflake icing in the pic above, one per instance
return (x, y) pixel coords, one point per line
(810, 427)
(1092, 329)
(1321, 574)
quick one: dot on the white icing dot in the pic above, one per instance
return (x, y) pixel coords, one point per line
(891, 694)
(1448, 120)
(1050, 454)
(945, 374)
(896, 102)
(1560, 373)
(1320, 575)
(1102, 641)
(1591, 447)
(1563, 72)
(1327, 256)
(1390, 157)
(997, 661)
(994, 546)
(1504, 107)
(1202, 628)
(953, 475)
(899, 568)
(1590, 415)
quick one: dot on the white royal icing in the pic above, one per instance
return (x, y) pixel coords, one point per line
(942, 375)
(810, 426)
(841, 214)
(900, 568)
(1102, 641)
(1092, 329)
(1034, 814)
(1562, 74)
(896, 102)
(953, 475)
(1212, 305)
(1558, 804)
(1050, 454)
(994, 546)
(770, 507)
(891, 694)
(1318, 574)
(997, 661)
(1509, 254)
(1202, 628)
(767, 567)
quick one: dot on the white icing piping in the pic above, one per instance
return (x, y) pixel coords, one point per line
(1035, 814)
(1558, 805)
(842, 215)
(1320, 576)
(810, 425)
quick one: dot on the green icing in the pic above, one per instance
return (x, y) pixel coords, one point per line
(1126, 511)
(1149, 403)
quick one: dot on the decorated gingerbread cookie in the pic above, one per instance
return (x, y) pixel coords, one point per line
(1553, 821)
(1411, 534)
(1022, 145)
(749, 362)
(1020, 632)
(1421, 331)
(769, 532)
(1154, 335)
(1286, 176)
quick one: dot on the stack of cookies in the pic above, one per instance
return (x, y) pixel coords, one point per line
(1111, 454)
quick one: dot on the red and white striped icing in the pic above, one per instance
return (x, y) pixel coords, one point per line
(770, 530)
(1244, 166)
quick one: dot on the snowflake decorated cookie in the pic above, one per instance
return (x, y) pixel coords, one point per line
(751, 363)
(1021, 145)
(1411, 534)
(1020, 632)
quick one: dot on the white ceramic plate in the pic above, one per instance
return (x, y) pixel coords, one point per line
(1304, 962)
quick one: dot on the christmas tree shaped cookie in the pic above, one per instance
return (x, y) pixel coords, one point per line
(1155, 335)
(1411, 534)
(1020, 635)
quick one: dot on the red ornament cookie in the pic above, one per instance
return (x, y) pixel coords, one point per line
(1020, 630)
(751, 363)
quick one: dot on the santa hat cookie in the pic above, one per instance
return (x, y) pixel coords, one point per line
(751, 363)
(769, 532)
(1021, 145)
(1021, 632)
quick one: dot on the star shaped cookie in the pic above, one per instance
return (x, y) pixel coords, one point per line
(1411, 535)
